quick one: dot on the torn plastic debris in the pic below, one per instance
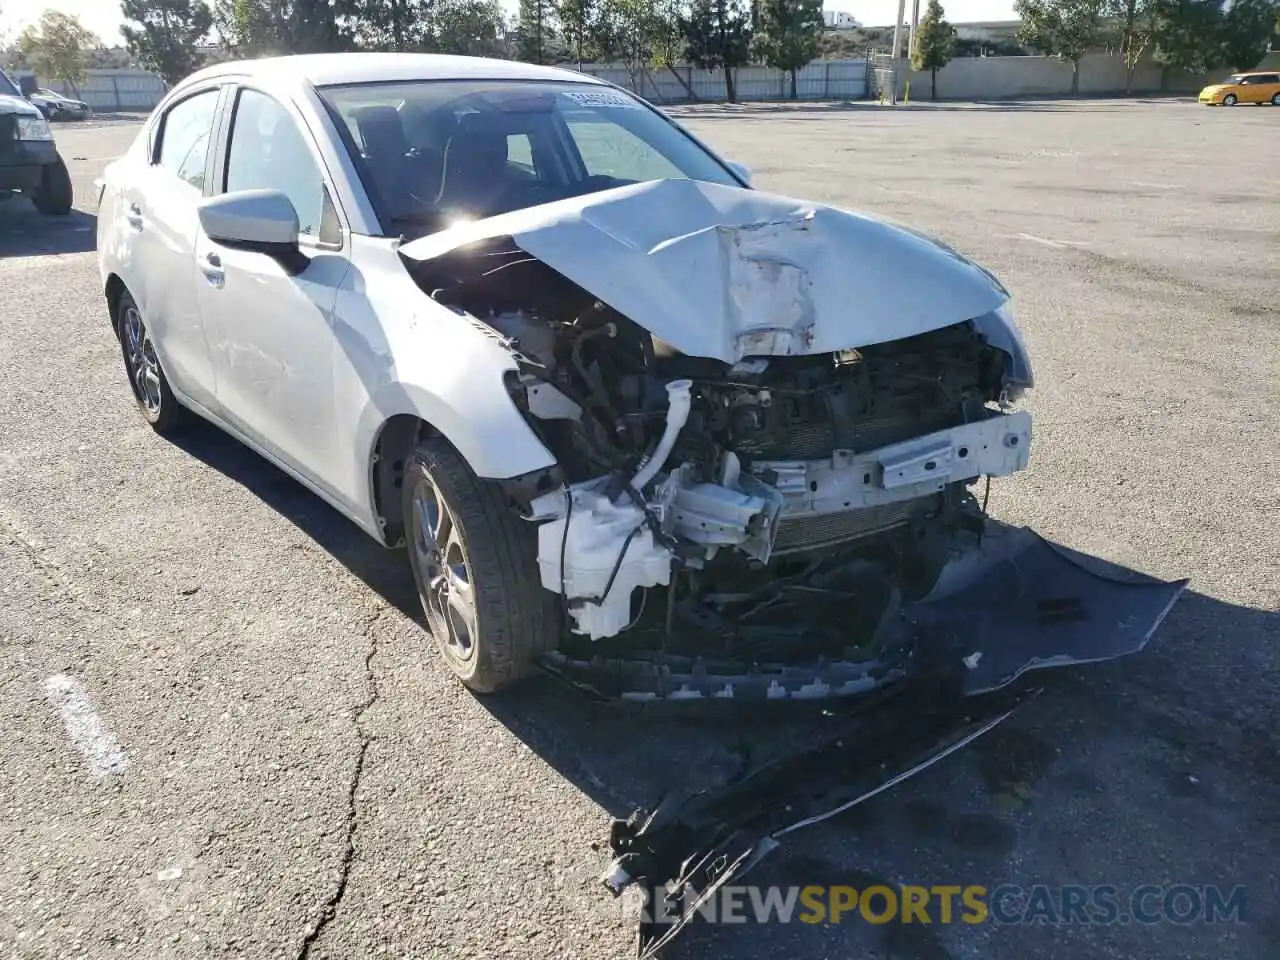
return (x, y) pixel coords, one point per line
(1013, 604)
(684, 850)
(1021, 603)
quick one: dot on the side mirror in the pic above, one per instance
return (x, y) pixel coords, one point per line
(263, 221)
(741, 171)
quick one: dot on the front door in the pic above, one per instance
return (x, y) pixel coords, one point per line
(271, 327)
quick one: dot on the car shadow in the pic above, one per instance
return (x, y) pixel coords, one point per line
(1197, 694)
(567, 728)
(25, 232)
(384, 571)
(579, 736)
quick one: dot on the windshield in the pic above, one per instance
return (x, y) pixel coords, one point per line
(435, 153)
(1235, 78)
(7, 86)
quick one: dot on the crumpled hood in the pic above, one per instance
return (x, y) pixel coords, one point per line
(17, 105)
(726, 272)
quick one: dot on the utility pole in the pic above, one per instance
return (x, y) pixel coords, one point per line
(915, 25)
(897, 50)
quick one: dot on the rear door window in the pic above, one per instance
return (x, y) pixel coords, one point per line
(185, 134)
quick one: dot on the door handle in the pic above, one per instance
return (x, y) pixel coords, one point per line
(134, 216)
(211, 267)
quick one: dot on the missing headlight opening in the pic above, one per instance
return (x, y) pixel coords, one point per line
(775, 506)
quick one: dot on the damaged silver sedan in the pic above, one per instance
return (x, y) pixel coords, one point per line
(666, 436)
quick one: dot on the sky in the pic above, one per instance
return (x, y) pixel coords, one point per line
(103, 16)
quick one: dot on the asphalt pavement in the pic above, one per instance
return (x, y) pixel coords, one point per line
(227, 734)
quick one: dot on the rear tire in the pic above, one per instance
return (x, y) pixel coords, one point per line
(1275, 100)
(146, 377)
(475, 563)
(54, 195)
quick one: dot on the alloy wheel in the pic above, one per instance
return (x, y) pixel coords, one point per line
(141, 362)
(444, 569)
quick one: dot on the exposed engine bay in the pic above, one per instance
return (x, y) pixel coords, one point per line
(767, 422)
(773, 426)
(700, 505)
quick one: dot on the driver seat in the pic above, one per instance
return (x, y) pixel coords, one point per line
(475, 167)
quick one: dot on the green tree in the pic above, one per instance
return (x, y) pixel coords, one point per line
(575, 18)
(256, 27)
(935, 42)
(668, 40)
(390, 24)
(1246, 31)
(315, 27)
(718, 37)
(623, 31)
(57, 46)
(468, 27)
(788, 34)
(1134, 30)
(1066, 29)
(163, 35)
(535, 30)
(1186, 34)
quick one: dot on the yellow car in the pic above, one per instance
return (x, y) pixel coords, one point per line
(1244, 88)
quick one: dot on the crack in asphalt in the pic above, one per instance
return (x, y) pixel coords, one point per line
(329, 909)
(39, 555)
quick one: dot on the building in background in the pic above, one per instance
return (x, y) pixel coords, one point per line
(839, 20)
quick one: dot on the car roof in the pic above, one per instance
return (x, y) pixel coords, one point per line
(322, 69)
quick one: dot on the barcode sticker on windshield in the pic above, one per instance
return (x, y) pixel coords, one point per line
(602, 98)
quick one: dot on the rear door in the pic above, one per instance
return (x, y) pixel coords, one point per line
(271, 329)
(158, 227)
(1255, 88)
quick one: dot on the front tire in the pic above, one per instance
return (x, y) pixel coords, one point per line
(1229, 100)
(54, 195)
(475, 564)
(146, 377)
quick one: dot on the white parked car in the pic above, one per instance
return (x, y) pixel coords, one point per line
(609, 396)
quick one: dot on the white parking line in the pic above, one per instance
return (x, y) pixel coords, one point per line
(88, 733)
(1043, 241)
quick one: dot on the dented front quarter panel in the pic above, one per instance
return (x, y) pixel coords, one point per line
(400, 352)
(725, 272)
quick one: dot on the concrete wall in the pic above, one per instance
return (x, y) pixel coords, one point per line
(108, 91)
(1004, 78)
(966, 78)
(820, 80)
(111, 90)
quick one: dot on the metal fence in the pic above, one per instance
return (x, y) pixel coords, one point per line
(109, 91)
(820, 80)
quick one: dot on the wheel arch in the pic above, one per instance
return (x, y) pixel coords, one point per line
(490, 436)
(113, 290)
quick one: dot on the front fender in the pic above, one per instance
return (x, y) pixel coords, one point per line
(488, 432)
(1001, 331)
